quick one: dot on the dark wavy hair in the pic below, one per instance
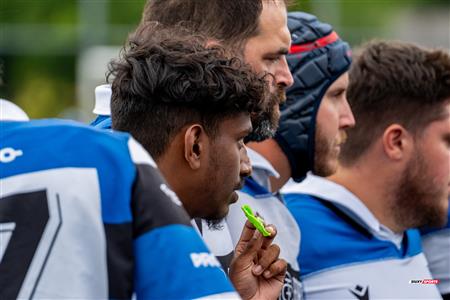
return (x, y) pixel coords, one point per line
(231, 22)
(394, 82)
(167, 78)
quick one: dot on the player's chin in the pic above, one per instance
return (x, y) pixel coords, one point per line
(233, 197)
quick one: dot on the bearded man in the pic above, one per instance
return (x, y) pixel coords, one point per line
(393, 175)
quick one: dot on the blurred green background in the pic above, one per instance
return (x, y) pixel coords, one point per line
(55, 52)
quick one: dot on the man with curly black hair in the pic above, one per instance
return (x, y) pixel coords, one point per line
(190, 107)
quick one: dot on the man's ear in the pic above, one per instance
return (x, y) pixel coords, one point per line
(397, 142)
(195, 140)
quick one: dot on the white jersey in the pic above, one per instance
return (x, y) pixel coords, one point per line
(436, 246)
(347, 254)
(256, 194)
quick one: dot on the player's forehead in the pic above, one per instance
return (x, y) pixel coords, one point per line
(340, 83)
(238, 124)
(272, 23)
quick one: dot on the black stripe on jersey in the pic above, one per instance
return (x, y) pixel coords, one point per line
(60, 222)
(29, 212)
(198, 221)
(290, 290)
(119, 245)
(151, 207)
(225, 261)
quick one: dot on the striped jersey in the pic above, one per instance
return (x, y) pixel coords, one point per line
(347, 254)
(85, 214)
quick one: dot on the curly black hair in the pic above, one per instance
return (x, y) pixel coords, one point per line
(168, 78)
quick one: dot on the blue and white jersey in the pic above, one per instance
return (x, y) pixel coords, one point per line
(347, 254)
(256, 194)
(218, 240)
(436, 246)
(84, 214)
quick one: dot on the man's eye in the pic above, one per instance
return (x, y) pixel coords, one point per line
(338, 94)
(273, 59)
(241, 143)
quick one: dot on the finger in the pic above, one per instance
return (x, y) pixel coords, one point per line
(269, 239)
(247, 235)
(266, 259)
(276, 270)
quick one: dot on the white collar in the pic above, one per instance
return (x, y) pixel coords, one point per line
(11, 112)
(350, 204)
(261, 163)
(103, 100)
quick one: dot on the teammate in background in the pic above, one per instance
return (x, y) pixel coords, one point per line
(84, 214)
(393, 175)
(190, 107)
(435, 243)
(254, 30)
(319, 61)
(259, 35)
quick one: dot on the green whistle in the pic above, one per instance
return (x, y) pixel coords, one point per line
(255, 220)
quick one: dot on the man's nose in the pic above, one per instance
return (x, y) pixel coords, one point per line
(245, 164)
(283, 75)
(347, 119)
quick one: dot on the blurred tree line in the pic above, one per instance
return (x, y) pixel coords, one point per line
(40, 40)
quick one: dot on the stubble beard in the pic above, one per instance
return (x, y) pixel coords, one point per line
(214, 220)
(418, 198)
(325, 153)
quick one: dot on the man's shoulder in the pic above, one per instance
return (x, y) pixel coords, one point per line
(72, 143)
(336, 239)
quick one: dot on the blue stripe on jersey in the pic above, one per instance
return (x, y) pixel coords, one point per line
(110, 157)
(254, 189)
(165, 270)
(330, 241)
(102, 122)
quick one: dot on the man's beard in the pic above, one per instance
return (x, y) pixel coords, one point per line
(214, 224)
(325, 153)
(418, 197)
(265, 124)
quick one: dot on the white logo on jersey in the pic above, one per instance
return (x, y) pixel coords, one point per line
(171, 194)
(7, 155)
(204, 259)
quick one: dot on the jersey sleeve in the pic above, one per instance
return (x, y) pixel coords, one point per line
(171, 260)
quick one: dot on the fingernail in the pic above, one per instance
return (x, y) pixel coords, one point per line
(257, 269)
(266, 274)
(270, 229)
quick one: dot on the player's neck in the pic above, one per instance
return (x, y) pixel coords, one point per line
(373, 189)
